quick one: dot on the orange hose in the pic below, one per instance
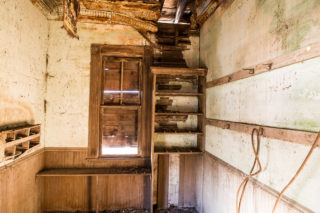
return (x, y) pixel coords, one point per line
(244, 183)
(314, 145)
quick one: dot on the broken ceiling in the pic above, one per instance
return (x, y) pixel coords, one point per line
(143, 15)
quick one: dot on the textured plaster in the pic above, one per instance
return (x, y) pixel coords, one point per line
(249, 32)
(68, 81)
(252, 31)
(23, 49)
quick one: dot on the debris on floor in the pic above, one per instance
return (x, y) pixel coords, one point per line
(174, 209)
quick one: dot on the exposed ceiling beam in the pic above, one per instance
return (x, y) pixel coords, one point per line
(181, 5)
(139, 10)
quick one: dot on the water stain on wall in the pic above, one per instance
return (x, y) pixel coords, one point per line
(291, 25)
(210, 47)
(14, 112)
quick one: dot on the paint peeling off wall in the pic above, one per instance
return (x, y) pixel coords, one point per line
(68, 78)
(24, 39)
(243, 33)
(180, 140)
(176, 104)
(288, 97)
(191, 56)
(253, 31)
(173, 185)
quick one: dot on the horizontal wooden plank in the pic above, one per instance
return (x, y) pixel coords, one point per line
(300, 55)
(93, 172)
(177, 113)
(178, 94)
(128, 107)
(19, 128)
(290, 135)
(180, 133)
(122, 51)
(22, 140)
(179, 71)
(177, 150)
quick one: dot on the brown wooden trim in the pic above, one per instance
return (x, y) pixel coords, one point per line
(163, 181)
(122, 51)
(94, 101)
(298, 56)
(182, 165)
(257, 183)
(211, 8)
(179, 71)
(65, 149)
(290, 135)
(128, 107)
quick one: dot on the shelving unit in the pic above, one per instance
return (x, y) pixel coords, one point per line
(19, 141)
(178, 110)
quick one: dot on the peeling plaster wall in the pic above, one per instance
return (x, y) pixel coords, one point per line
(68, 78)
(173, 185)
(23, 49)
(243, 33)
(249, 32)
(191, 55)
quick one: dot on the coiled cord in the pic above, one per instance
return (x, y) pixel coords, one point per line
(244, 183)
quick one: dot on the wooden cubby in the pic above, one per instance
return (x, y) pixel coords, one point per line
(178, 110)
(18, 141)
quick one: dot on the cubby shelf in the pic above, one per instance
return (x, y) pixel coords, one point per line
(19, 141)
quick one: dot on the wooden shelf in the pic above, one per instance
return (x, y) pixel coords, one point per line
(21, 140)
(176, 150)
(178, 94)
(133, 107)
(180, 133)
(177, 113)
(178, 71)
(93, 172)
